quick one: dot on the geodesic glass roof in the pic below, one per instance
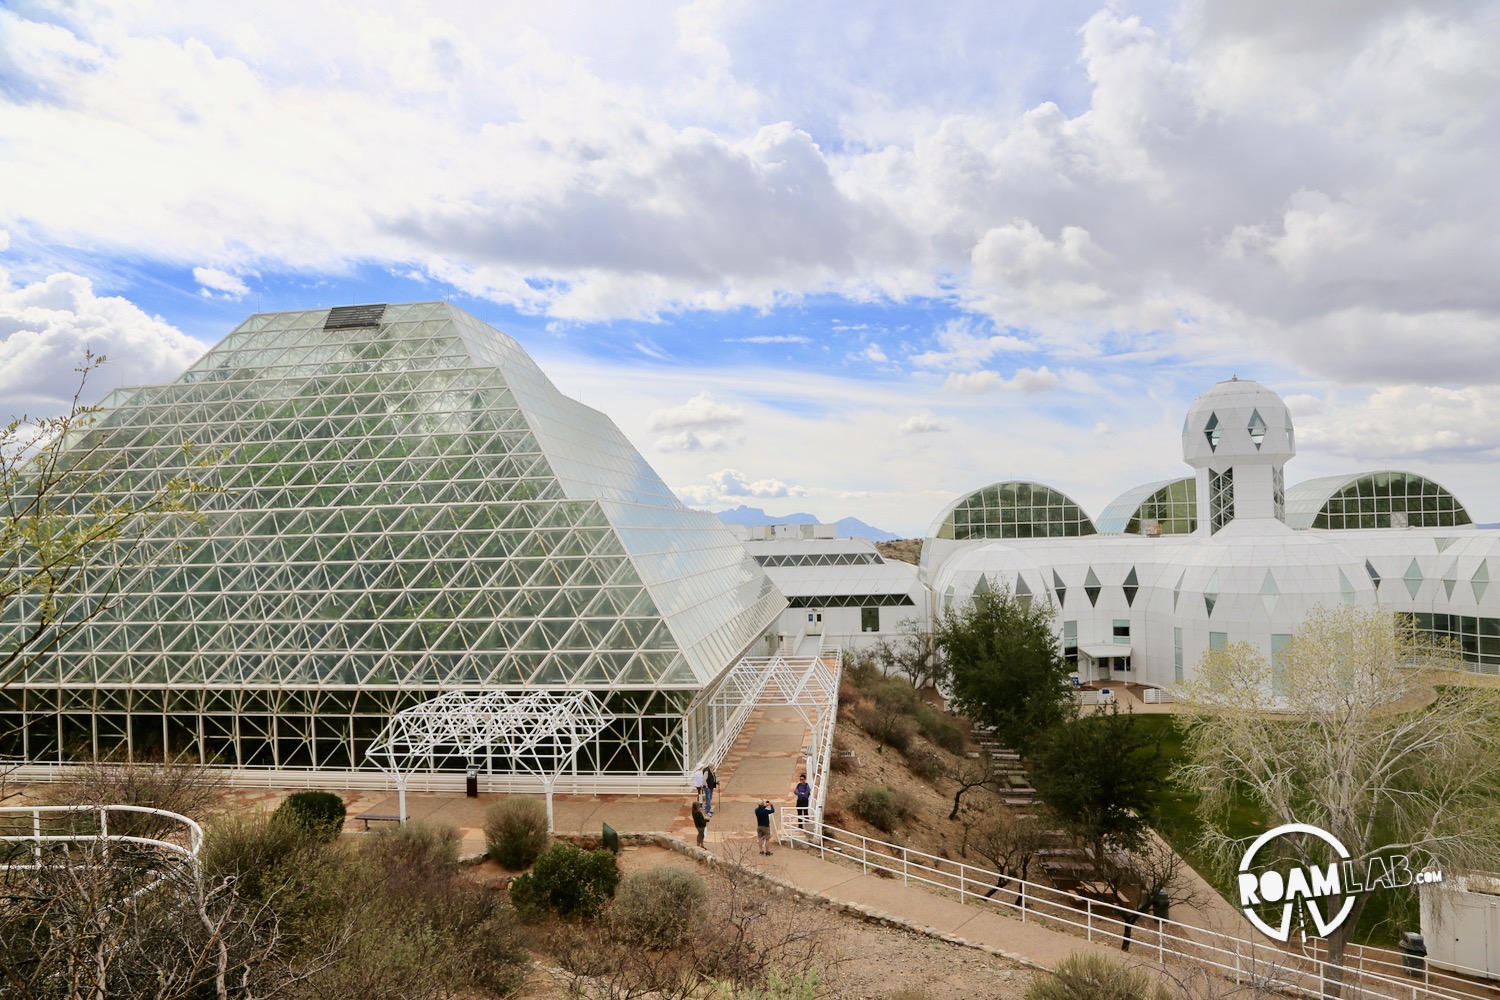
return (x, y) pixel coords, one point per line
(1388, 499)
(1012, 510)
(407, 501)
(1171, 503)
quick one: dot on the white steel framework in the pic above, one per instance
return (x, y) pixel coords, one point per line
(525, 732)
(150, 843)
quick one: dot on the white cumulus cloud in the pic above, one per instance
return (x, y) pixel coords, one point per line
(1023, 380)
(921, 423)
(700, 412)
(225, 284)
(46, 326)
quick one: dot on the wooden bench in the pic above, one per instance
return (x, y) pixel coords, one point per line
(368, 818)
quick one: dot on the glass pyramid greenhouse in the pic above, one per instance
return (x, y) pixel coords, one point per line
(408, 507)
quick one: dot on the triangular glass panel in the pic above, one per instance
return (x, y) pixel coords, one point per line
(982, 586)
(1211, 431)
(1443, 543)
(1211, 594)
(1450, 579)
(1023, 593)
(1480, 581)
(1346, 589)
(1177, 590)
(1374, 576)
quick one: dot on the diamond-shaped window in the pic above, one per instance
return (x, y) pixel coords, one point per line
(1480, 581)
(1269, 593)
(1092, 587)
(1257, 429)
(1211, 431)
(1374, 576)
(1413, 578)
(1211, 594)
(1062, 591)
(1131, 586)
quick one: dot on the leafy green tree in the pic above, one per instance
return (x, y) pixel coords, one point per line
(1005, 667)
(74, 523)
(1103, 775)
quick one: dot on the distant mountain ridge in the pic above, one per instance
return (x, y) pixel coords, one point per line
(848, 527)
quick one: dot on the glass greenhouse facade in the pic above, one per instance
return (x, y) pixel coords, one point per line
(407, 506)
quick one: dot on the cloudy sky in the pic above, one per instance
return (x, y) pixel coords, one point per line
(842, 258)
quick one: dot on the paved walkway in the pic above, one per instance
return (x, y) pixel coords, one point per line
(763, 764)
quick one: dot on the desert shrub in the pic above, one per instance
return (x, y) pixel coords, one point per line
(179, 786)
(876, 805)
(319, 813)
(658, 907)
(413, 926)
(801, 986)
(515, 831)
(567, 880)
(849, 695)
(1086, 976)
(833, 816)
(279, 865)
(926, 765)
(414, 861)
(891, 728)
(941, 730)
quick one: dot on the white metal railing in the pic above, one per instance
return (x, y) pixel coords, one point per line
(187, 845)
(24, 825)
(1367, 972)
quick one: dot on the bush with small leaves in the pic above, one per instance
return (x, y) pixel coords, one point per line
(1083, 976)
(655, 909)
(567, 880)
(926, 765)
(319, 813)
(876, 805)
(515, 831)
(941, 730)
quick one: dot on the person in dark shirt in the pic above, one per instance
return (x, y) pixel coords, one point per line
(803, 791)
(700, 821)
(763, 826)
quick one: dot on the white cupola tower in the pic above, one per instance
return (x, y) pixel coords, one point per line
(1238, 437)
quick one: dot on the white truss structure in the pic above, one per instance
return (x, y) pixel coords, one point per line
(809, 684)
(512, 732)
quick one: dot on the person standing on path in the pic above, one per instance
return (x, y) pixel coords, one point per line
(763, 826)
(710, 785)
(698, 784)
(700, 821)
(803, 791)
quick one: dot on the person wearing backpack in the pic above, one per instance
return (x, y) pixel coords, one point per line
(710, 783)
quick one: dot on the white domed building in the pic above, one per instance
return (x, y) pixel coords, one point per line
(1229, 554)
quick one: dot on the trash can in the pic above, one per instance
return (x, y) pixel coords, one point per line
(471, 782)
(1161, 904)
(1413, 953)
